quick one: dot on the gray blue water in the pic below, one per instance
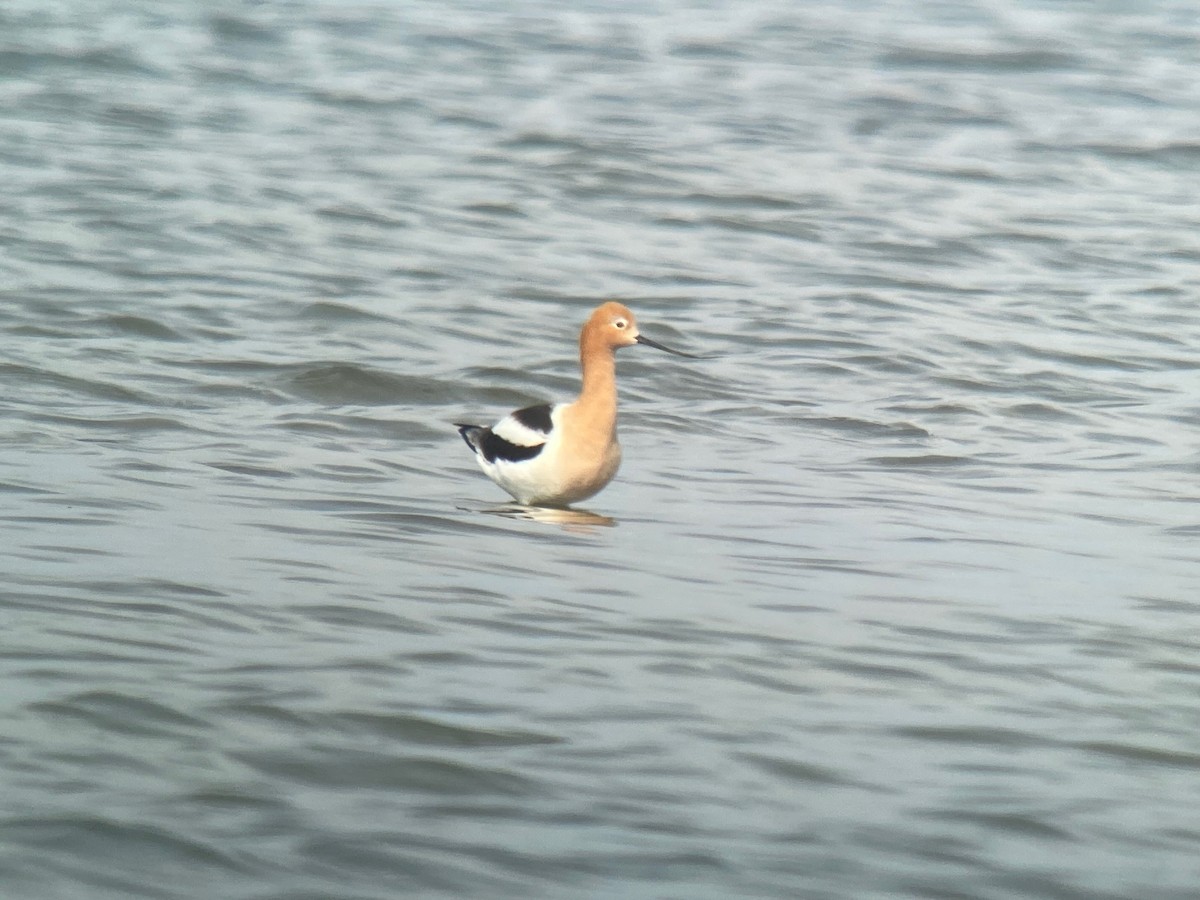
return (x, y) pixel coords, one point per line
(896, 596)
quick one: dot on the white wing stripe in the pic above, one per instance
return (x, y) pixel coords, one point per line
(514, 432)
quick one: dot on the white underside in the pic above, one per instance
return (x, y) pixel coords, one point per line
(528, 480)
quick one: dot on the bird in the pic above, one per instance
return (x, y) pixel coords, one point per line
(556, 454)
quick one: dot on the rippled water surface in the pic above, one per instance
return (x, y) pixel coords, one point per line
(895, 596)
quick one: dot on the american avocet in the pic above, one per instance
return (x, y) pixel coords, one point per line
(561, 453)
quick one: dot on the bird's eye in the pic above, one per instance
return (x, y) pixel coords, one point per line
(620, 323)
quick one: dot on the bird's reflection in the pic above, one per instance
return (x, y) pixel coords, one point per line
(578, 520)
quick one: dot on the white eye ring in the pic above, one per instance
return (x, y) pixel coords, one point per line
(620, 323)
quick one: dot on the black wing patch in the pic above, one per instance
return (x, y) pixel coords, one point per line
(493, 447)
(535, 418)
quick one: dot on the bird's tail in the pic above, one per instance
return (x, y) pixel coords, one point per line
(472, 434)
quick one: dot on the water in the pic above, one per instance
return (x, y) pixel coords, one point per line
(895, 597)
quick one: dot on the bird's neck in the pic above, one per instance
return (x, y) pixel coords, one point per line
(598, 396)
